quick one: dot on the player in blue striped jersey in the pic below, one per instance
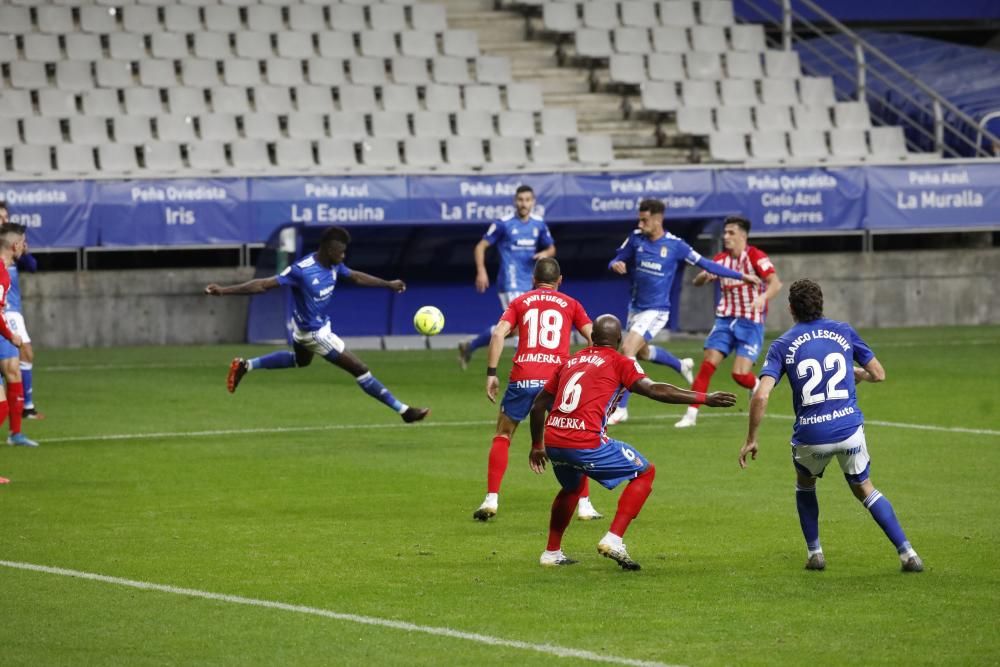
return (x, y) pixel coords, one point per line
(818, 356)
(521, 240)
(312, 280)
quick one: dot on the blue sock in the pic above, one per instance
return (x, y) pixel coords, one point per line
(282, 359)
(660, 356)
(377, 390)
(623, 401)
(482, 340)
(808, 506)
(26, 373)
(885, 517)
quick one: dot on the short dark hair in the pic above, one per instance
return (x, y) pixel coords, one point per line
(523, 188)
(14, 228)
(654, 206)
(806, 299)
(335, 234)
(3, 205)
(547, 271)
(739, 221)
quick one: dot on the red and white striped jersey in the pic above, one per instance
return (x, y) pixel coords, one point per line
(737, 296)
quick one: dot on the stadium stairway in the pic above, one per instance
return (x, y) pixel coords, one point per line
(533, 60)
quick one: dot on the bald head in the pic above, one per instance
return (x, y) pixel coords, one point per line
(607, 331)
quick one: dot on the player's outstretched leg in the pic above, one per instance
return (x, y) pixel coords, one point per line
(629, 505)
(700, 383)
(881, 510)
(467, 347)
(808, 508)
(562, 513)
(659, 355)
(496, 467)
(239, 367)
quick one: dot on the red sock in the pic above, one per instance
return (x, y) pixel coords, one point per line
(747, 380)
(703, 378)
(562, 513)
(15, 402)
(632, 500)
(585, 489)
(4, 407)
(498, 463)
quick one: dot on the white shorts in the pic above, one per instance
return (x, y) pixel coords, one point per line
(321, 342)
(647, 323)
(16, 323)
(507, 297)
(852, 454)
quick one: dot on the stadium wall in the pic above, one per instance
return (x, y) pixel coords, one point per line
(160, 307)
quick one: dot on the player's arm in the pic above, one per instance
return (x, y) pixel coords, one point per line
(479, 255)
(500, 332)
(872, 372)
(758, 406)
(668, 393)
(703, 277)
(27, 263)
(367, 280)
(773, 287)
(626, 253)
(723, 272)
(255, 286)
(5, 330)
(585, 331)
(542, 404)
(549, 251)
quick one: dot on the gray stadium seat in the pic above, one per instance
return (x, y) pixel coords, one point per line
(600, 14)
(699, 93)
(187, 101)
(478, 124)
(465, 151)
(15, 103)
(27, 75)
(442, 98)
(262, 125)
(627, 68)
(595, 149)
(75, 159)
(670, 39)
(207, 156)
(482, 98)
(460, 43)
(848, 143)
(695, 120)
(701, 65)
(79, 46)
(197, 73)
(16, 20)
(222, 18)
(57, 103)
(386, 18)
(812, 118)
(666, 67)
(422, 152)
(117, 158)
(450, 70)
(336, 154)
(773, 117)
(357, 98)
(816, 91)
(560, 17)
(631, 40)
(550, 151)
(524, 97)
(769, 145)
(417, 44)
(256, 45)
(782, 64)
(728, 147)
(74, 75)
(508, 152)
(41, 131)
(347, 18)
(516, 124)
(734, 119)
(708, 39)
(168, 45)
(369, 71)
(88, 130)
(250, 155)
(212, 45)
(296, 154)
(326, 71)
(140, 19)
(434, 124)
(9, 132)
(273, 99)
(808, 144)
(593, 43)
(559, 122)
(659, 96)
(347, 125)
(747, 37)
(179, 129)
(380, 153)
(493, 69)
(264, 18)
(33, 160)
(738, 92)
(219, 127)
(310, 126)
(41, 48)
(306, 18)
(638, 13)
(743, 65)
(314, 99)
(132, 129)
(295, 45)
(376, 44)
(778, 91)
(677, 13)
(429, 17)
(98, 20)
(157, 73)
(54, 19)
(163, 157)
(851, 115)
(95, 102)
(126, 46)
(716, 12)
(176, 18)
(230, 99)
(411, 71)
(390, 125)
(888, 142)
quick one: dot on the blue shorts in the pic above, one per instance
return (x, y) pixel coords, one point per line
(610, 464)
(7, 349)
(518, 398)
(729, 332)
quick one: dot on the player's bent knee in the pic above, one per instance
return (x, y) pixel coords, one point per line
(649, 472)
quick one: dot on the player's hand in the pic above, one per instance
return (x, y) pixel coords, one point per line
(759, 303)
(751, 279)
(720, 399)
(537, 460)
(482, 282)
(213, 290)
(492, 387)
(397, 286)
(750, 447)
(619, 268)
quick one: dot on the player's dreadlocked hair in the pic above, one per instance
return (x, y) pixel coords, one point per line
(547, 271)
(654, 206)
(739, 221)
(335, 234)
(806, 299)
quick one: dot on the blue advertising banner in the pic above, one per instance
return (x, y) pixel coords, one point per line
(56, 213)
(616, 196)
(472, 199)
(176, 212)
(935, 196)
(356, 200)
(795, 200)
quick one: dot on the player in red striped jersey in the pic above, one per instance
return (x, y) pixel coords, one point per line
(740, 313)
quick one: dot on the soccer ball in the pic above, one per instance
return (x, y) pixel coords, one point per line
(428, 321)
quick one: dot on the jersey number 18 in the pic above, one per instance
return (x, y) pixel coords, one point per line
(544, 327)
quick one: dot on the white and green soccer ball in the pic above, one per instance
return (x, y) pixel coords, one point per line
(428, 321)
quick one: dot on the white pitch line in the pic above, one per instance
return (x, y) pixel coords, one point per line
(548, 649)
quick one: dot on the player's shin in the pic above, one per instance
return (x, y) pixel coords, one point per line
(499, 452)
(481, 340)
(273, 361)
(27, 381)
(881, 510)
(808, 507)
(15, 402)
(562, 513)
(631, 501)
(371, 386)
(660, 356)
(703, 379)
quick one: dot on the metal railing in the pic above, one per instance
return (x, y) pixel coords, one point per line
(868, 61)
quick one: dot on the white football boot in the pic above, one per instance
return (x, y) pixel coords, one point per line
(618, 416)
(585, 511)
(689, 419)
(687, 370)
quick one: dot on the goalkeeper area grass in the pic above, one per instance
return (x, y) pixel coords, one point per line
(164, 521)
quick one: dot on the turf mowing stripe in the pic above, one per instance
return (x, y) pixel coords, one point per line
(479, 422)
(548, 649)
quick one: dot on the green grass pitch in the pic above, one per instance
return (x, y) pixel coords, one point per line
(351, 511)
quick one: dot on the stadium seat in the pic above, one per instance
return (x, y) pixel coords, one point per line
(31, 160)
(559, 122)
(313, 99)
(41, 48)
(97, 20)
(560, 17)
(74, 75)
(716, 12)
(442, 98)
(375, 44)
(397, 97)
(769, 145)
(429, 17)
(450, 70)
(848, 143)
(117, 158)
(670, 39)
(264, 18)
(508, 152)
(743, 65)
(699, 93)
(357, 98)
(57, 103)
(659, 96)
(9, 132)
(851, 115)
(310, 126)
(41, 131)
(600, 14)
(347, 125)
(126, 46)
(782, 64)
(368, 71)
(433, 124)
(478, 124)
(628, 68)
(338, 154)
(422, 152)
(75, 159)
(140, 19)
(208, 156)
(519, 124)
(595, 149)
(54, 19)
(88, 130)
(728, 147)
(78, 45)
(380, 153)
(386, 18)
(410, 71)
(812, 118)
(188, 101)
(666, 67)
(306, 18)
(482, 98)
(176, 18)
(220, 127)
(15, 104)
(157, 73)
(250, 155)
(162, 157)
(778, 91)
(347, 18)
(808, 144)
(295, 45)
(677, 13)
(132, 129)
(197, 73)
(222, 18)
(113, 74)
(816, 91)
(708, 39)
(27, 75)
(734, 119)
(493, 69)
(390, 125)
(701, 65)
(524, 97)
(593, 43)
(631, 40)
(747, 37)
(230, 99)
(255, 45)
(460, 43)
(738, 92)
(326, 71)
(695, 121)
(262, 125)
(273, 99)
(416, 44)
(16, 20)
(774, 117)
(887, 142)
(295, 154)
(94, 102)
(550, 151)
(212, 45)
(168, 45)
(638, 13)
(465, 151)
